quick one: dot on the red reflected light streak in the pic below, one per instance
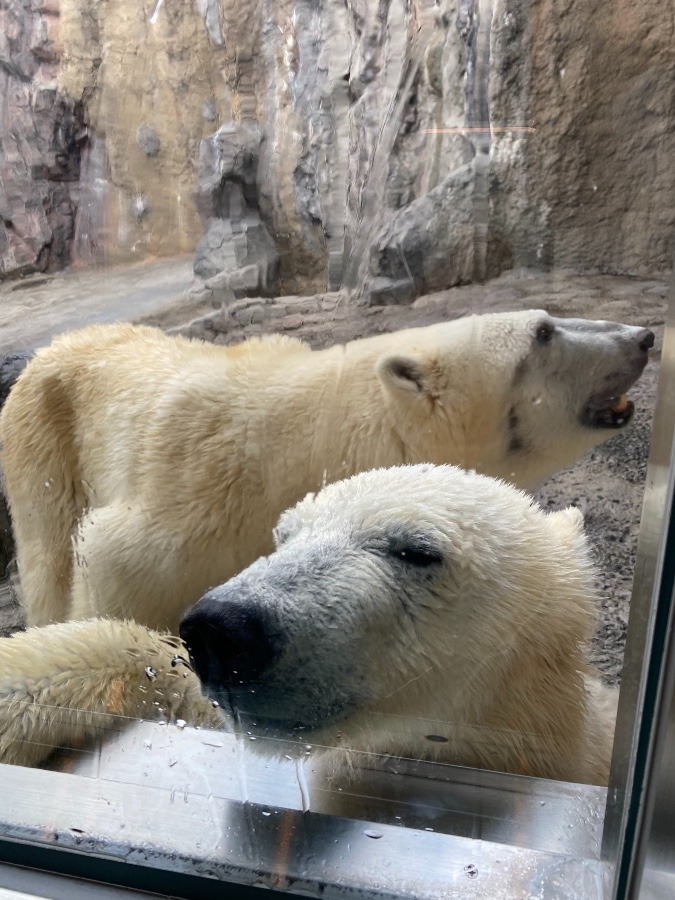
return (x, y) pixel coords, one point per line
(497, 129)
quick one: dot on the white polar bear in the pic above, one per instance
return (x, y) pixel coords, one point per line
(418, 611)
(169, 461)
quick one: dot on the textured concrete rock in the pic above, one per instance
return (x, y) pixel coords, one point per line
(592, 185)
(383, 291)
(148, 140)
(454, 138)
(144, 71)
(41, 136)
(11, 366)
(139, 208)
(431, 240)
(237, 256)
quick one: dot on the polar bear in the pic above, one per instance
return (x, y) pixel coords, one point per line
(418, 611)
(167, 461)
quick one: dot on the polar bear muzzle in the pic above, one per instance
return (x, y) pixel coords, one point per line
(609, 407)
(231, 641)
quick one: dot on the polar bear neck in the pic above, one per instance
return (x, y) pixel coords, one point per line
(331, 415)
(320, 389)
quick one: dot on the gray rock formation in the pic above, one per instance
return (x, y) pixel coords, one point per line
(402, 145)
(148, 140)
(41, 137)
(237, 255)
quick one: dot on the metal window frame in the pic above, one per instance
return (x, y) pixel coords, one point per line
(643, 759)
(411, 829)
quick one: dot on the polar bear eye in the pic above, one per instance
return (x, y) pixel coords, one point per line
(414, 549)
(545, 333)
(418, 556)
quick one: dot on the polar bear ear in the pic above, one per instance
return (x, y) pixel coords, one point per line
(402, 372)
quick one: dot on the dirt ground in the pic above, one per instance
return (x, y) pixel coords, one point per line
(607, 485)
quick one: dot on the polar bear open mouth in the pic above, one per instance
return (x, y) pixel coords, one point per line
(608, 412)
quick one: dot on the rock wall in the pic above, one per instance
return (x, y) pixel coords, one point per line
(391, 147)
(41, 136)
(598, 171)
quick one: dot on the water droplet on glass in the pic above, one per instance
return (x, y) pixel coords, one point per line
(151, 673)
(266, 812)
(470, 871)
(215, 704)
(375, 835)
(437, 738)
(179, 660)
(180, 723)
(147, 745)
(302, 784)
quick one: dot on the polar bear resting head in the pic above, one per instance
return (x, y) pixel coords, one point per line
(415, 611)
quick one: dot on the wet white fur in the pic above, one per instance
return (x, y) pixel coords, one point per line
(69, 683)
(484, 649)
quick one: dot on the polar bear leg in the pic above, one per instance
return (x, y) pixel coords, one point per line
(73, 682)
(44, 488)
(44, 554)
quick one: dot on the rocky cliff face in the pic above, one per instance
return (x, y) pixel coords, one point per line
(393, 147)
(41, 137)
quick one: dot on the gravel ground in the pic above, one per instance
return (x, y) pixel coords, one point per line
(607, 485)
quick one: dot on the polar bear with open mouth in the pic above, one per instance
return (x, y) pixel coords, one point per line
(142, 469)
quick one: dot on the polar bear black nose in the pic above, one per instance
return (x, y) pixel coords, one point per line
(230, 641)
(646, 339)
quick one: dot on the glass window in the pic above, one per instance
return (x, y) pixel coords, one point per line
(334, 336)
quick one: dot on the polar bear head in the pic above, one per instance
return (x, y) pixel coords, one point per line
(402, 605)
(515, 395)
